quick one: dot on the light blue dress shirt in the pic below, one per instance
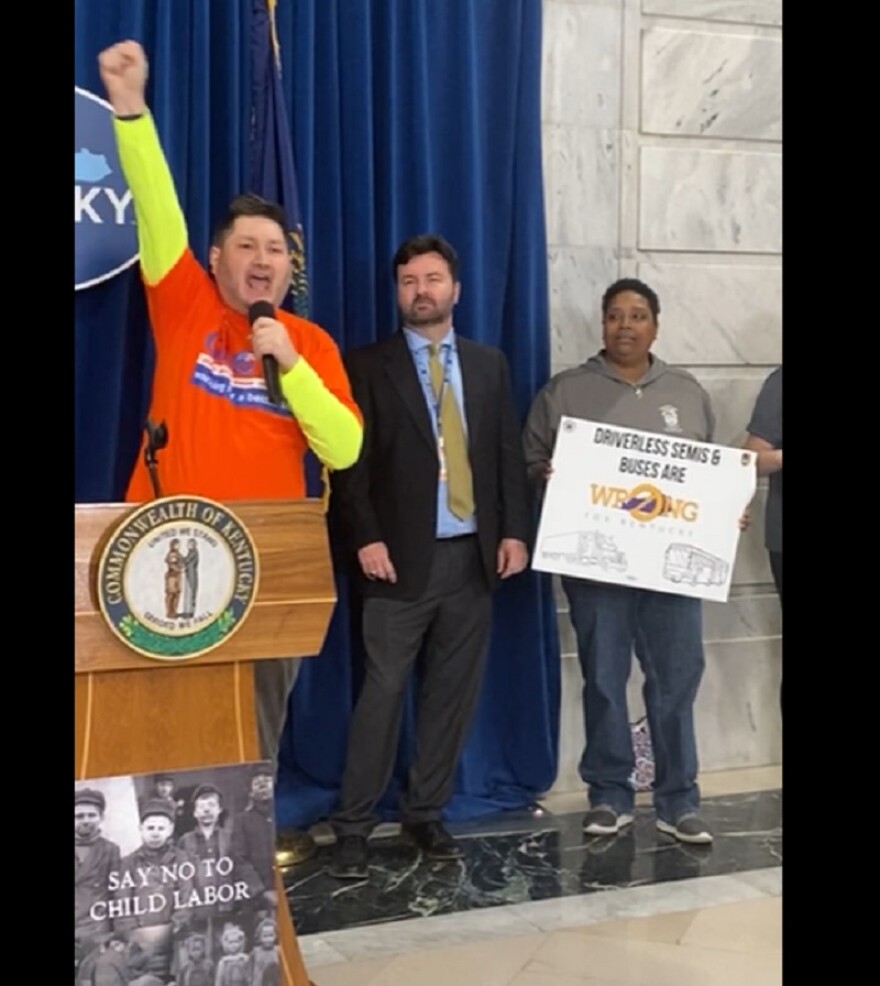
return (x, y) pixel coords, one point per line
(448, 525)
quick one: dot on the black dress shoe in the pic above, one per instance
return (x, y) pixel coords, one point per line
(434, 841)
(350, 858)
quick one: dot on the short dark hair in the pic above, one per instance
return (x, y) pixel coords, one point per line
(248, 205)
(415, 246)
(637, 287)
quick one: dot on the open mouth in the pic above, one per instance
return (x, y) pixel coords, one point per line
(259, 282)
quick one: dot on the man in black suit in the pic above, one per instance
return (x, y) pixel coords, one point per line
(437, 507)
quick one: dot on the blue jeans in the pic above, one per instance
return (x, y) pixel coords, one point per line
(666, 633)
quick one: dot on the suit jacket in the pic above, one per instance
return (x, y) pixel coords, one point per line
(390, 494)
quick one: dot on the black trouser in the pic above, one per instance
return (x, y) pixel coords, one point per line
(452, 620)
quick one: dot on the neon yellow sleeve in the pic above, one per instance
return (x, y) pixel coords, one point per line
(332, 430)
(161, 227)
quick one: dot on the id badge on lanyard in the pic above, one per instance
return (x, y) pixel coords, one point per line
(438, 413)
(441, 456)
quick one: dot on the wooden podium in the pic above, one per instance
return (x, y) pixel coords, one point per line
(137, 715)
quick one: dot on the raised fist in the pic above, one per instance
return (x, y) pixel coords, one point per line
(123, 69)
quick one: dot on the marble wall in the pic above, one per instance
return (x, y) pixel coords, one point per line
(662, 128)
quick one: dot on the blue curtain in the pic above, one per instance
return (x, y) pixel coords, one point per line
(411, 116)
(407, 116)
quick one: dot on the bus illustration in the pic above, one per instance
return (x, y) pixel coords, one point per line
(685, 563)
(585, 548)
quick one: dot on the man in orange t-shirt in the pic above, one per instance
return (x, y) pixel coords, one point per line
(226, 440)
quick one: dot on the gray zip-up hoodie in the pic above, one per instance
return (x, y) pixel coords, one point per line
(667, 400)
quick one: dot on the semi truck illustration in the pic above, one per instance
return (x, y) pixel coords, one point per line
(685, 563)
(585, 548)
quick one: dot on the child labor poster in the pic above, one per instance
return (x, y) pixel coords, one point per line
(651, 511)
(174, 878)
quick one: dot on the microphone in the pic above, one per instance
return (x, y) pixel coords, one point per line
(157, 439)
(262, 309)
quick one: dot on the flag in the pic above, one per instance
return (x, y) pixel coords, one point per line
(273, 173)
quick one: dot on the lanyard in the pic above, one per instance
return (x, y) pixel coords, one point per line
(437, 401)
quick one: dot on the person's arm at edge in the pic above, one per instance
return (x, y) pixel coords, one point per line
(539, 437)
(763, 433)
(769, 457)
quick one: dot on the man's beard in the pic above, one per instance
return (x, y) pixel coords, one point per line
(431, 316)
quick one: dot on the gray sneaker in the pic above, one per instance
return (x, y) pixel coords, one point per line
(689, 828)
(603, 820)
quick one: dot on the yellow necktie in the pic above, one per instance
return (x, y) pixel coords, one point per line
(459, 483)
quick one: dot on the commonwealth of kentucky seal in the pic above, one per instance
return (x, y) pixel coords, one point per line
(178, 577)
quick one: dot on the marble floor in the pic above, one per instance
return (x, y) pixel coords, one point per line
(721, 945)
(536, 903)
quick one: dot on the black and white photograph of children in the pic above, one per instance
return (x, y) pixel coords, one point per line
(174, 882)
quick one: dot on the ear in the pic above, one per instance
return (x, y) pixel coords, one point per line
(213, 257)
(457, 293)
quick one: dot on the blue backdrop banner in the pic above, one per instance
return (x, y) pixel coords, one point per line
(105, 242)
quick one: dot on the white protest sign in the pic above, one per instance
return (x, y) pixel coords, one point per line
(651, 511)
